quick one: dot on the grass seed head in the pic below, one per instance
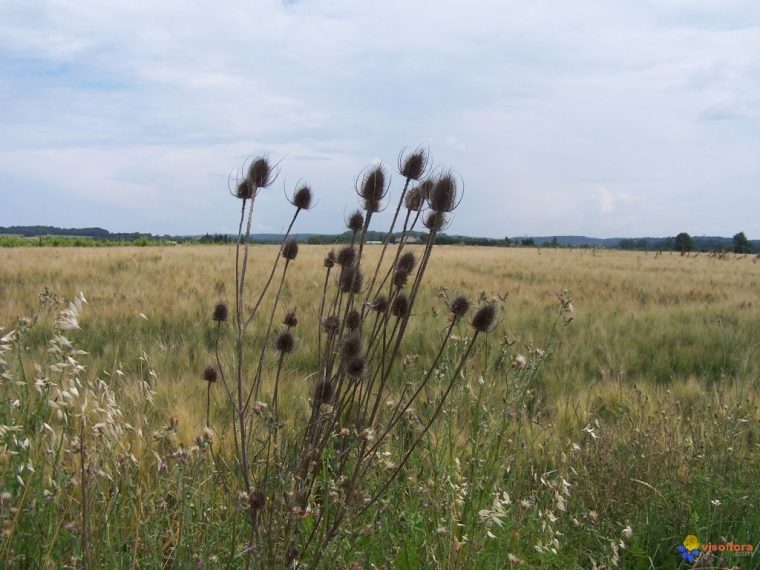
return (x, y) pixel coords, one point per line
(289, 249)
(221, 312)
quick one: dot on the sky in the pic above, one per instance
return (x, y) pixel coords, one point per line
(606, 118)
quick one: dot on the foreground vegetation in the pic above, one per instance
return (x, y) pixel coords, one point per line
(602, 442)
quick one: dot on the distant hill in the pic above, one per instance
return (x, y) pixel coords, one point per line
(701, 243)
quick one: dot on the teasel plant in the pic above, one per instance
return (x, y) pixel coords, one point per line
(302, 481)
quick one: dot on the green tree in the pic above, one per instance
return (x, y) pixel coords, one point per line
(683, 243)
(741, 243)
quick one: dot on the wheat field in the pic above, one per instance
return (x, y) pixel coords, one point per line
(598, 436)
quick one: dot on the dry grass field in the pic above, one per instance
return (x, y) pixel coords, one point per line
(599, 440)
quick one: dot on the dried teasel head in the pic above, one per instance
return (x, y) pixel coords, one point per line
(302, 197)
(444, 195)
(406, 262)
(257, 500)
(413, 165)
(459, 306)
(400, 306)
(324, 392)
(355, 367)
(351, 346)
(209, 374)
(285, 342)
(373, 184)
(290, 320)
(484, 318)
(355, 221)
(435, 221)
(380, 304)
(260, 173)
(400, 279)
(371, 206)
(426, 188)
(243, 190)
(331, 324)
(346, 256)
(414, 199)
(289, 249)
(351, 279)
(329, 259)
(353, 320)
(220, 312)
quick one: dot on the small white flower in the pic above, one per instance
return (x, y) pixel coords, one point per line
(627, 532)
(715, 502)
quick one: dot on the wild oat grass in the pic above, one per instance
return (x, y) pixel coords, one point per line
(592, 432)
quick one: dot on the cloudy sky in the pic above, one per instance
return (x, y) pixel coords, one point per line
(596, 117)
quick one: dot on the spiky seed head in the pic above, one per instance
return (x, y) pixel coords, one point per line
(209, 374)
(346, 256)
(353, 320)
(414, 164)
(400, 306)
(373, 184)
(371, 206)
(413, 199)
(459, 306)
(484, 318)
(351, 346)
(323, 392)
(302, 198)
(443, 196)
(400, 279)
(257, 500)
(426, 188)
(406, 262)
(259, 173)
(355, 367)
(435, 221)
(331, 324)
(244, 191)
(290, 319)
(351, 279)
(289, 249)
(380, 304)
(220, 312)
(355, 221)
(285, 342)
(329, 259)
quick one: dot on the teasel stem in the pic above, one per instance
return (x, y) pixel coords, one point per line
(86, 555)
(257, 378)
(388, 237)
(277, 383)
(274, 269)
(208, 404)
(237, 261)
(430, 422)
(321, 314)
